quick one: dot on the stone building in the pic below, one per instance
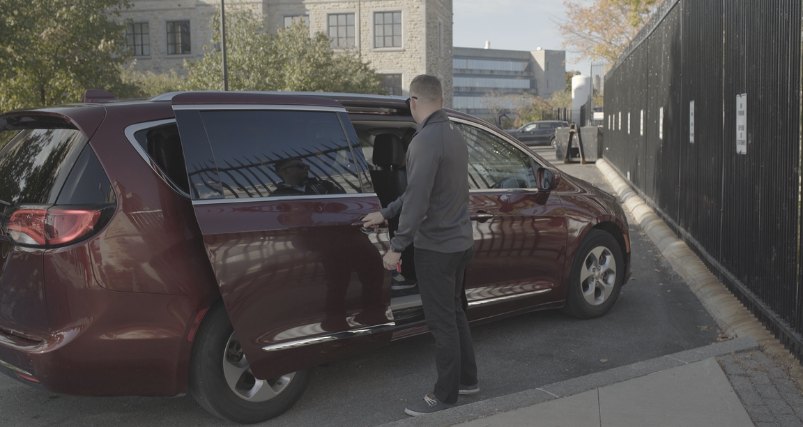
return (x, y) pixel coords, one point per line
(479, 71)
(401, 38)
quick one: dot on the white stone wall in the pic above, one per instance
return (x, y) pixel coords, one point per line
(422, 51)
(439, 45)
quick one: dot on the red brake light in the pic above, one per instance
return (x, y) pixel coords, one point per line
(28, 226)
(64, 226)
(51, 227)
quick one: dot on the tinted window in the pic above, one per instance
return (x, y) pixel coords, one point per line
(163, 146)
(87, 182)
(494, 163)
(280, 153)
(530, 127)
(35, 162)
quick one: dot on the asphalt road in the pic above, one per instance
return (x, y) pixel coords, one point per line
(656, 314)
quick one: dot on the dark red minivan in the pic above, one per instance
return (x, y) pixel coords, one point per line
(154, 247)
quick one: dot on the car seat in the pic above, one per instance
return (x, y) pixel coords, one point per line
(389, 180)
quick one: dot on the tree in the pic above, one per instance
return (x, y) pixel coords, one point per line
(561, 99)
(288, 61)
(529, 108)
(603, 29)
(569, 76)
(149, 84)
(51, 51)
(496, 103)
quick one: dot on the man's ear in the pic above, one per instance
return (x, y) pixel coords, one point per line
(441, 102)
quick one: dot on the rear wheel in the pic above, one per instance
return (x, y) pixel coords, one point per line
(597, 275)
(553, 143)
(221, 380)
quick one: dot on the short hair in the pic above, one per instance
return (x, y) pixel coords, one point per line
(427, 87)
(281, 164)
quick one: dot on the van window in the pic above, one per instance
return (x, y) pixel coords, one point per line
(163, 145)
(34, 163)
(495, 163)
(280, 153)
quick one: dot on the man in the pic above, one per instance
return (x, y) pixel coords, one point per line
(434, 215)
(296, 180)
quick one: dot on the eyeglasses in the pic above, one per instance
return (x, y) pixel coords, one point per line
(407, 101)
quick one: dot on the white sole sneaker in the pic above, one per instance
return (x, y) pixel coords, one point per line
(474, 389)
(400, 286)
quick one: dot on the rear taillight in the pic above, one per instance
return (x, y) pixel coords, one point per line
(51, 227)
(27, 226)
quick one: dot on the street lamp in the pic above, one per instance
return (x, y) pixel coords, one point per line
(223, 43)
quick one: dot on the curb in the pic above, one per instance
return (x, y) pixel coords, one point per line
(510, 402)
(729, 313)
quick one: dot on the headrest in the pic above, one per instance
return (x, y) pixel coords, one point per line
(388, 150)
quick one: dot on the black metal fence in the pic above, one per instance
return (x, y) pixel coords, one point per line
(703, 117)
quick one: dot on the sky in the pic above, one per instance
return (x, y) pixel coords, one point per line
(512, 25)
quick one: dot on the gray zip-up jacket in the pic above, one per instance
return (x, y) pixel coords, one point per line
(434, 207)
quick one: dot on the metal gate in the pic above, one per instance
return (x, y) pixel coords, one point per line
(703, 117)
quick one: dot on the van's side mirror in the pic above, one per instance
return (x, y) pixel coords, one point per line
(546, 179)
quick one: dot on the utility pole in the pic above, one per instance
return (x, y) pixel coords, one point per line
(223, 44)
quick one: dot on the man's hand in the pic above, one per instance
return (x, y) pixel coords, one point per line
(373, 220)
(391, 259)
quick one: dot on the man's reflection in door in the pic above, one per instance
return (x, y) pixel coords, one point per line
(341, 250)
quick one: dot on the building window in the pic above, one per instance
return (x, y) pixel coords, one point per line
(178, 38)
(387, 29)
(488, 64)
(290, 20)
(393, 82)
(139, 39)
(492, 83)
(341, 29)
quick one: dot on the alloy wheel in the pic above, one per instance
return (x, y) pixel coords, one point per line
(598, 275)
(243, 382)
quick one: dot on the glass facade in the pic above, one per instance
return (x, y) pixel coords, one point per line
(473, 103)
(492, 83)
(488, 64)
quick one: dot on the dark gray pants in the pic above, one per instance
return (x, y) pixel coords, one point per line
(440, 280)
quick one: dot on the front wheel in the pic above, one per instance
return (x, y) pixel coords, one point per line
(221, 380)
(597, 274)
(553, 143)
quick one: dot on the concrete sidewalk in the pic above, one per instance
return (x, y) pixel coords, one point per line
(697, 394)
(688, 388)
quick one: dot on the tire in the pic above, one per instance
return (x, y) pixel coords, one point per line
(597, 274)
(247, 400)
(553, 143)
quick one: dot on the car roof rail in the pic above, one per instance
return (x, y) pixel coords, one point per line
(98, 96)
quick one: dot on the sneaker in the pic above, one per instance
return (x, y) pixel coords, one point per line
(469, 389)
(398, 283)
(429, 405)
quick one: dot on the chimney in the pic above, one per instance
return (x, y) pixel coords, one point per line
(487, 44)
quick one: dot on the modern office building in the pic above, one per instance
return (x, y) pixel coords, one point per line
(477, 72)
(401, 38)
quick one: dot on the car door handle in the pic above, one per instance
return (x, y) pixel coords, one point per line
(364, 229)
(481, 216)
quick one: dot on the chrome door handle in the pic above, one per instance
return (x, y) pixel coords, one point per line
(481, 216)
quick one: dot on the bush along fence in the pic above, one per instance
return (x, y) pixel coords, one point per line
(703, 118)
